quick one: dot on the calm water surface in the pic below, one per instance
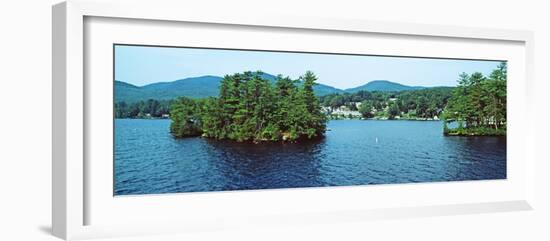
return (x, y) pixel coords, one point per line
(355, 152)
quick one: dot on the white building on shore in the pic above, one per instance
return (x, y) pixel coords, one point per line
(341, 111)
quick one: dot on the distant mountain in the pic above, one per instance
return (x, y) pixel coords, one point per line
(195, 87)
(319, 89)
(127, 92)
(208, 85)
(383, 85)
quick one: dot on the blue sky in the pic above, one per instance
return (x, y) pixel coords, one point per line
(141, 65)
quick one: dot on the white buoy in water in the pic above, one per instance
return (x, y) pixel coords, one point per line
(376, 139)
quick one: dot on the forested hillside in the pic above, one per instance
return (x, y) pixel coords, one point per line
(412, 104)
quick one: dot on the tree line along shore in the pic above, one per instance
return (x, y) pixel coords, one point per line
(250, 108)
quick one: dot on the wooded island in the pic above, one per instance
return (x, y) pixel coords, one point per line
(250, 108)
(478, 104)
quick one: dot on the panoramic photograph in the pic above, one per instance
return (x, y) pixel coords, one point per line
(205, 119)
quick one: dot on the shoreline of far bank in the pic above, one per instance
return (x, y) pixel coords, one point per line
(450, 132)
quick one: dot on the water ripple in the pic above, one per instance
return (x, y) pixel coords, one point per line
(148, 160)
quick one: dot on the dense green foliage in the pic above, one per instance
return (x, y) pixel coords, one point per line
(143, 109)
(186, 118)
(478, 104)
(412, 104)
(250, 108)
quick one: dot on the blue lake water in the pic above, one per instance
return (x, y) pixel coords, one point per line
(354, 152)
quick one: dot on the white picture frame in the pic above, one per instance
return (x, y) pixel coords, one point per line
(73, 192)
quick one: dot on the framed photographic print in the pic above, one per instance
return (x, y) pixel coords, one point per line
(223, 127)
(176, 121)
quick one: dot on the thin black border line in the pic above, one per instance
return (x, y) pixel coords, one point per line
(114, 119)
(248, 50)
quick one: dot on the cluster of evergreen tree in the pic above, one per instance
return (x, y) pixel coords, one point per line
(478, 104)
(424, 103)
(250, 108)
(142, 109)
